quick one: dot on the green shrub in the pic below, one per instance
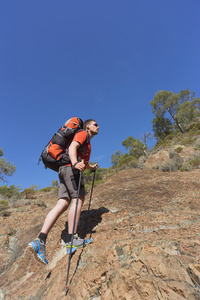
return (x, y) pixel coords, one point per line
(185, 167)
(10, 192)
(46, 189)
(127, 162)
(5, 213)
(194, 127)
(27, 202)
(178, 149)
(41, 203)
(28, 193)
(197, 146)
(163, 143)
(4, 204)
(195, 162)
(174, 164)
(187, 142)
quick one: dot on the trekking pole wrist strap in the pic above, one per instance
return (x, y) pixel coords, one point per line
(75, 164)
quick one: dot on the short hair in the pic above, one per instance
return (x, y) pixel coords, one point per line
(87, 122)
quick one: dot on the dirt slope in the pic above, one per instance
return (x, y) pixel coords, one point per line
(146, 243)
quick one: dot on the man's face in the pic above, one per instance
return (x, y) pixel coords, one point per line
(93, 128)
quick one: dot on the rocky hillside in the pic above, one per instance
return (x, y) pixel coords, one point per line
(146, 243)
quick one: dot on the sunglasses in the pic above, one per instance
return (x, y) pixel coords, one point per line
(95, 124)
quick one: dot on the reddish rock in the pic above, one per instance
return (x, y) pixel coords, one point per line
(146, 243)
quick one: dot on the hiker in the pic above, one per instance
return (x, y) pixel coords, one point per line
(69, 175)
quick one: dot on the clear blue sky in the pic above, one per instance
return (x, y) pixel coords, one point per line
(93, 59)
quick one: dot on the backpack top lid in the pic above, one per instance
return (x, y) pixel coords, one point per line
(74, 123)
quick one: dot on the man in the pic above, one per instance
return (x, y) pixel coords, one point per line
(69, 175)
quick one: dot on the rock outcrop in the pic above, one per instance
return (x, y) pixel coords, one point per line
(146, 243)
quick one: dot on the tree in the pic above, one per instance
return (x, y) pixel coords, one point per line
(6, 168)
(28, 193)
(55, 183)
(162, 127)
(116, 157)
(189, 111)
(166, 101)
(10, 192)
(144, 138)
(181, 107)
(135, 146)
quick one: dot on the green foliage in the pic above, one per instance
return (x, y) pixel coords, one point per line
(178, 149)
(187, 142)
(28, 193)
(174, 164)
(197, 146)
(195, 162)
(55, 183)
(41, 203)
(46, 189)
(188, 111)
(10, 192)
(6, 168)
(34, 187)
(162, 127)
(182, 108)
(5, 213)
(127, 162)
(136, 147)
(116, 157)
(4, 204)
(99, 174)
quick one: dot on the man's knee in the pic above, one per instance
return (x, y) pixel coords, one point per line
(81, 199)
(63, 203)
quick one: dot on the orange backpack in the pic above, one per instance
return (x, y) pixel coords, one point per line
(52, 156)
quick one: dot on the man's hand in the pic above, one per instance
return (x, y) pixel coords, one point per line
(80, 166)
(95, 166)
(92, 167)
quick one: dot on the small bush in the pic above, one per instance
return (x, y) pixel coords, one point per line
(28, 202)
(197, 146)
(41, 203)
(174, 164)
(194, 127)
(187, 142)
(10, 192)
(185, 167)
(178, 149)
(4, 204)
(5, 213)
(46, 189)
(195, 162)
(28, 193)
(128, 162)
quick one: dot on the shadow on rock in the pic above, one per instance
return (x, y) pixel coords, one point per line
(88, 221)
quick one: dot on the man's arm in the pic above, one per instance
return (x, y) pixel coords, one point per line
(73, 156)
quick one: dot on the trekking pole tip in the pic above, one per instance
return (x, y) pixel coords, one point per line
(66, 289)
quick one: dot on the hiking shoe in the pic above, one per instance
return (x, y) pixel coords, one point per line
(38, 248)
(76, 242)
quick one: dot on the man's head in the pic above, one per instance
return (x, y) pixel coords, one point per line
(91, 126)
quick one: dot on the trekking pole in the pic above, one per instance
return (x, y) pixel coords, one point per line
(70, 255)
(90, 201)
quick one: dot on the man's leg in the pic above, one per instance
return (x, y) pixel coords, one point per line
(71, 214)
(38, 245)
(54, 214)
